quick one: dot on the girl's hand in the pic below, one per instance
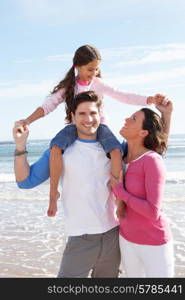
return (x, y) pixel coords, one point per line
(20, 135)
(22, 126)
(157, 99)
(160, 99)
(23, 122)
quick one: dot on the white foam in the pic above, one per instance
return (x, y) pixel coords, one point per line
(176, 146)
(177, 139)
(176, 177)
(7, 177)
(172, 177)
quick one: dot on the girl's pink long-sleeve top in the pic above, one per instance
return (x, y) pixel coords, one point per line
(101, 88)
(144, 222)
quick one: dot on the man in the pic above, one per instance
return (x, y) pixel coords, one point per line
(89, 208)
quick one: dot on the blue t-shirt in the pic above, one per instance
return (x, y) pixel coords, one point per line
(40, 172)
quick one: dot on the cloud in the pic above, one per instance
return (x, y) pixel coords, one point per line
(71, 11)
(23, 89)
(66, 11)
(164, 56)
(151, 54)
(23, 61)
(28, 89)
(147, 78)
(126, 55)
(40, 9)
(59, 57)
(66, 57)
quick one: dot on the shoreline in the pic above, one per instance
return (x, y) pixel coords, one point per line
(32, 244)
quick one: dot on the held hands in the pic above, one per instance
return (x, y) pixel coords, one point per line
(165, 108)
(23, 122)
(157, 99)
(114, 180)
(20, 135)
(162, 103)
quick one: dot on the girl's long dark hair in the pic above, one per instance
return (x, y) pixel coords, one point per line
(156, 139)
(83, 55)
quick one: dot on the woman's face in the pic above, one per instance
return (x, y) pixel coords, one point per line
(133, 126)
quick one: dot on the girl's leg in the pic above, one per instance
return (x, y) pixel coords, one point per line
(55, 173)
(116, 162)
(58, 145)
(130, 259)
(108, 140)
(65, 137)
(112, 148)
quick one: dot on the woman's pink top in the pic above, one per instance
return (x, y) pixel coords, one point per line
(144, 222)
(101, 88)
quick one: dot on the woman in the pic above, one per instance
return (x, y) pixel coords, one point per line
(145, 236)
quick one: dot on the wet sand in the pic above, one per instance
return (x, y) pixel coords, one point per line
(32, 244)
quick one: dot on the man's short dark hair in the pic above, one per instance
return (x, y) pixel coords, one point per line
(88, 96)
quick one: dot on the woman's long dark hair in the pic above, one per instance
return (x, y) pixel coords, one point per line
(83, 55)
(156, 139)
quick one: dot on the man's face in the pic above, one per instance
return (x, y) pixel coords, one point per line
(87, 120)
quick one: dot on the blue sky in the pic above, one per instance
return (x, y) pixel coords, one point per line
(142, 44)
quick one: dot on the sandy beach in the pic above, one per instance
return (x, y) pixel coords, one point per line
(32, 244)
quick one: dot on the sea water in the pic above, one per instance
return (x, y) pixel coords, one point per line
(32, 244)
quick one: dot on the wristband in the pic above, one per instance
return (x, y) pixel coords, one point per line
(19, 153)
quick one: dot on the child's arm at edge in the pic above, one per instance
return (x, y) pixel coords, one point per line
(37, 114)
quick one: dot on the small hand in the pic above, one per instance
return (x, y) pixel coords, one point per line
(20, 134)
(160, 99)
(157, 99)
(23, 122)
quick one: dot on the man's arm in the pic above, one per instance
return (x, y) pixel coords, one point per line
(27, 176)
(39, 172)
